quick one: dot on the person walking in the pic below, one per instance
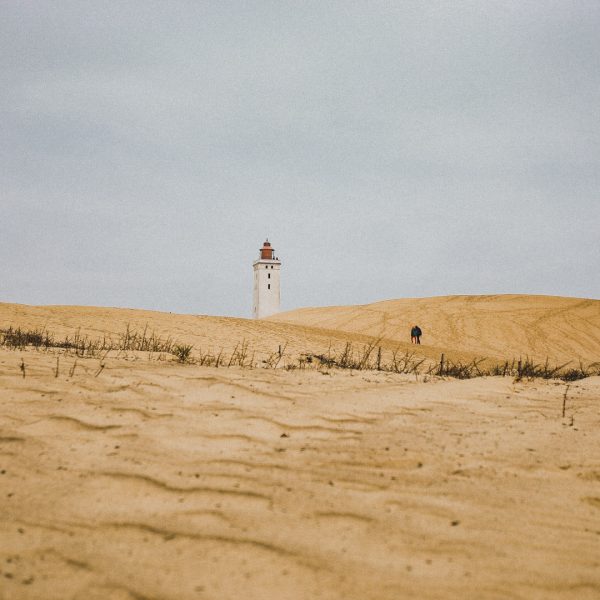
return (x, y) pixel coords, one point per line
(415, 334)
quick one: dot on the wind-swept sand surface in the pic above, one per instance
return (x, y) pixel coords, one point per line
(561, 329)
(135, 478)
(161, 481)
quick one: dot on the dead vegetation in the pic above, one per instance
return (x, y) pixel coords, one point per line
(83, 345)
(368, 357)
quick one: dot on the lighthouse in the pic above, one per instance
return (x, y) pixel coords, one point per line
(266, 283)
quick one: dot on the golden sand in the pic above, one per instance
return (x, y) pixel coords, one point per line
(151, 480)
(508, 326)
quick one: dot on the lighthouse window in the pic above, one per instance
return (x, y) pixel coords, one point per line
(269, 286)
(269, 275)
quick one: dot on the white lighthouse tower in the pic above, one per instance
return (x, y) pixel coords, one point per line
(266, 283)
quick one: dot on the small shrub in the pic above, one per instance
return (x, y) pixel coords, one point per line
(183, 352)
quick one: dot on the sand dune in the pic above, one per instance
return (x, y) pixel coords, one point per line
(507, 326)
(206, 333)
(151, 480)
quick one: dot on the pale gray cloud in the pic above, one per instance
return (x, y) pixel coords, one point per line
(387, 149)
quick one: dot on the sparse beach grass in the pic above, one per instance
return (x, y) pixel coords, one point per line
(366, 357)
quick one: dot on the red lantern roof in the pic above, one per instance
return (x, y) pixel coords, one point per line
(267, 252)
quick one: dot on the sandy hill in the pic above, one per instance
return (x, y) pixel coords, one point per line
(206, 333)
(463, 327)
(126, 477)
(500, 326)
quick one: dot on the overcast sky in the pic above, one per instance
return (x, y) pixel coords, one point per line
(387, 149)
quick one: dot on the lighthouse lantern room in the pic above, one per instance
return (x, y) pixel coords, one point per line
(266, 295)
